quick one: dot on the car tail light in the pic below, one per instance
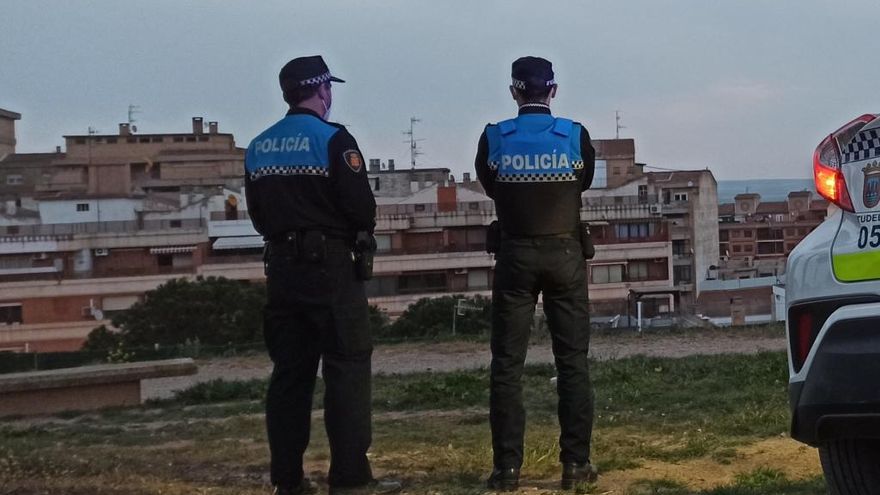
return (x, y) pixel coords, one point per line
(830, 182)
(805, 320)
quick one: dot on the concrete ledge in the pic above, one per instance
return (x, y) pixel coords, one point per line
(83, 388)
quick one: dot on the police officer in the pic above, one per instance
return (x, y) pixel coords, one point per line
(308, 195)
(535, 167)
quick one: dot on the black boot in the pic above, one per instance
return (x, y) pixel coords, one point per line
(574, 473)
(374, 487)
(305, 487)
(503, 479)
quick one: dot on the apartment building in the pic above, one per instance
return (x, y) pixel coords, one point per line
(755, 237)
(75, 247)
(7, 132)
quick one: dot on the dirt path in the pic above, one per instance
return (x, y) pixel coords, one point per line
(451, 356)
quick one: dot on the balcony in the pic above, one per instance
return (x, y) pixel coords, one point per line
(66, 231)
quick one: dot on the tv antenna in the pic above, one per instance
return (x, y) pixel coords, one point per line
(413, 142)
(618, 126)
(133, 109)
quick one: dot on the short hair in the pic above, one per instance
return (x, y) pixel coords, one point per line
(532, 94)
(294, 93)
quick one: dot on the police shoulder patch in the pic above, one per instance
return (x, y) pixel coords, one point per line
(354, 160)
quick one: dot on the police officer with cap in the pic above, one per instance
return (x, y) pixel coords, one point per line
(308, 195)
(535, 167)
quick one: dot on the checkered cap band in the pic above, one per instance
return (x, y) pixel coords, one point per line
(289, 170)
(865, 146)
(554, 177)
(316, 80)
(522, 84)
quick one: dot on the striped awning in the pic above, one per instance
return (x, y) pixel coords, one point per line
(172, 249)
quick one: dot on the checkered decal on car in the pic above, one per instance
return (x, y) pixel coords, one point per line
(289, 170)
(864, 147)
(556, 177)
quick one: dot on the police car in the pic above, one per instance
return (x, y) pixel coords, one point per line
(833, 314)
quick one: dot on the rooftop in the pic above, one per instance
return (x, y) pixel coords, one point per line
(8, 114)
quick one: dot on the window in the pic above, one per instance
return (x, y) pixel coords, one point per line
(737, 248)
(422, 282)
(10, 313)
(204, 138)
(178, 139)
(131, 140)
(383, 243)
(190, 139)
(14, 180)
(157, 139)
(376, 184)
(111, 140)
(747, 234)
(174, 224)
(637, 270)
(82, 207)
(643, 192)
(420, 207)
(681, 274)
(679, 247)
(473, 206)
(607, 274)
(80, 140)
(749, 248)
(680, 197)
(626, 231)
(144, 140)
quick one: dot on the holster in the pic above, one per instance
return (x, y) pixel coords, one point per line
(364, 253)
(587, 248)
(493, 237)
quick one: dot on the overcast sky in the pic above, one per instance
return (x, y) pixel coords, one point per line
(745, 88)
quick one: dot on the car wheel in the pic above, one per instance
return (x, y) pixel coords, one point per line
(852, 466)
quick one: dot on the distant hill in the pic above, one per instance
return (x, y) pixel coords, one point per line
(769, 189)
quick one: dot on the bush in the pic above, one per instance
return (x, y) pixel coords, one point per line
(432, 317)
(213, 311)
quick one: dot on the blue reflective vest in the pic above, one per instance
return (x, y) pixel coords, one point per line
(295, 145)
(535, 148)
(538, 168)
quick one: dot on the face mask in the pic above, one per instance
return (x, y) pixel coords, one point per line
(326, 109)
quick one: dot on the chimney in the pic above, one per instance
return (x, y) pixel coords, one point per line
(375, 166)
(466, 178)
(212, 127)
(58, 149)
(447, 198)
(198, 126)
(391, 165)
(451, 179)
(124, 129)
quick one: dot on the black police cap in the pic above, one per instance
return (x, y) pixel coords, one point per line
(532, 73)
(305, 71)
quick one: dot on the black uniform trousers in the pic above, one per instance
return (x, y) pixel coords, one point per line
(318, 312)
(524, 268)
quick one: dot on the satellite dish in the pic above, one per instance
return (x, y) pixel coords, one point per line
(98, 314)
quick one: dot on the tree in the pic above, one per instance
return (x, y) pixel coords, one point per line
(429, 317)
(213, 311)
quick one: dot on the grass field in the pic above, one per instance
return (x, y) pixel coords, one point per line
(703, 425)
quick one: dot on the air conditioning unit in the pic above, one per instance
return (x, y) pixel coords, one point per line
(656, 209)
(102, 252)
(461, 271)
(41, 256)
